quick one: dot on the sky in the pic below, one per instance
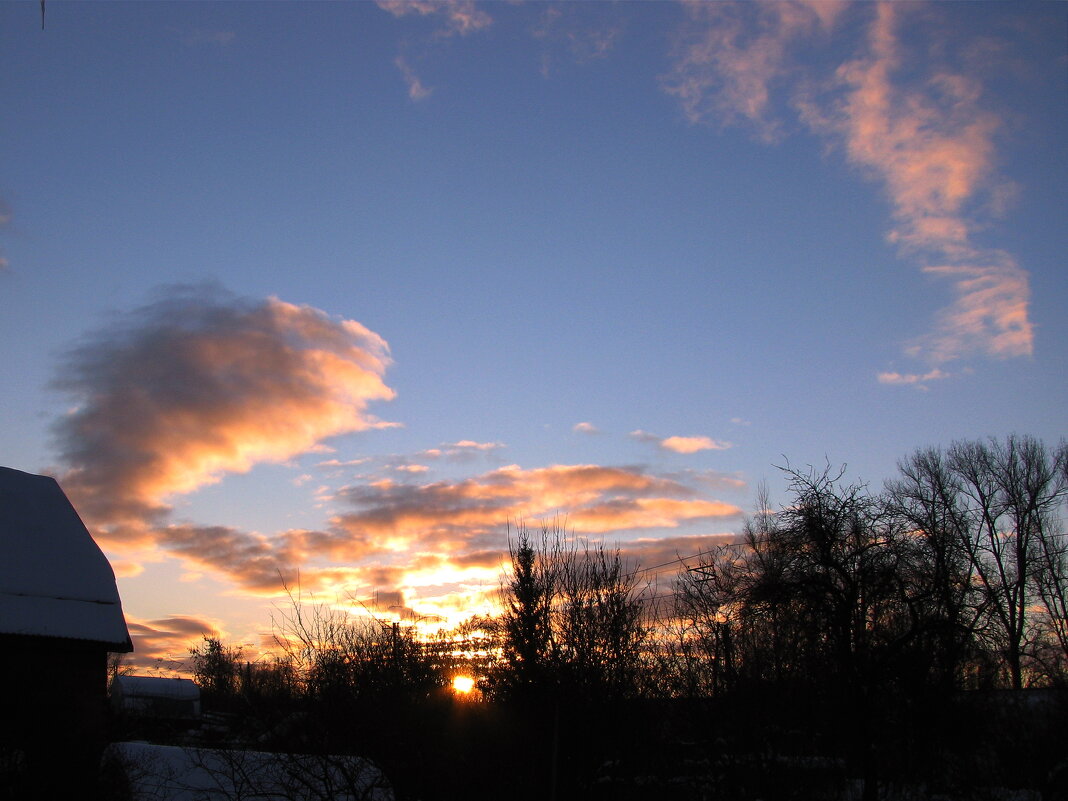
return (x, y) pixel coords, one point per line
(329, 296)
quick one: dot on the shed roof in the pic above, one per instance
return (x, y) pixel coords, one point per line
(54, 579)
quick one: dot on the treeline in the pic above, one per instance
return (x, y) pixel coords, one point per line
(850, 639)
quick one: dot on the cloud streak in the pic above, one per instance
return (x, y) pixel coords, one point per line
(174, 395)
(461, 17)
(927, 139)
(457, 516)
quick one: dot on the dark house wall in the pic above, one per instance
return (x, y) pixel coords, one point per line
(53, 696)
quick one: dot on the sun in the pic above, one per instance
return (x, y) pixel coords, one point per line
(463, 684)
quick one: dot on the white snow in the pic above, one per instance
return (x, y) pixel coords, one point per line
(172, 773)
(54, 579)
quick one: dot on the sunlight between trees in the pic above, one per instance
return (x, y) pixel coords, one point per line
(870, 627)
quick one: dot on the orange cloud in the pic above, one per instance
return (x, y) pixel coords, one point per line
(456, 517)
(681, 444)
(693, 444)
(179, 393)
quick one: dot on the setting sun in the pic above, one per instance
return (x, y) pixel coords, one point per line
(463, 684)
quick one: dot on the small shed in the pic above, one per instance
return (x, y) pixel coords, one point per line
(60, 616)
(156, 697)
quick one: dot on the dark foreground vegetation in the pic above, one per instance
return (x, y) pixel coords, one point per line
(909, 643)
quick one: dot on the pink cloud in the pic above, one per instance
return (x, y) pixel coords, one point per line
(932, 145)
(461, 16)
(730, 57)
(416, 89)
(929, 139)
(917, 380)
(586, 428)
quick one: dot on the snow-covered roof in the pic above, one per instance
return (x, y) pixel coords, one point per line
(54, 579)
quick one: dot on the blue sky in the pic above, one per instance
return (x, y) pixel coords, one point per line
(332, 286)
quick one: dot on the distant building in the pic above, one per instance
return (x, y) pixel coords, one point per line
(156, 697)
(60, 616)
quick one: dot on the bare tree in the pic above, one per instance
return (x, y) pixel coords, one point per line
(574, 619)
(1012, 492)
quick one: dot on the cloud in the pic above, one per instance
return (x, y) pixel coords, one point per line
(913, 379)
(681, 444)
(578, 32)
(931, 143)
(456, 517)
(586, 428)
(730, 56)
(176, 394)
(461, 16)
(165, 642)
(927, 137)
(256, 562)
(693, 444)
(416, 89)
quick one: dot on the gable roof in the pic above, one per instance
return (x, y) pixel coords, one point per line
(54, 579)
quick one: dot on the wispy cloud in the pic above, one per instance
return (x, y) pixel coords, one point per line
(681, 444)
(932, 145)
(577, 32)
(730, 57)
(417, 90)
(456, 516)
(461, 17)
(918, 380)
(928, 138)
(174, 395)
(256, 562)
(585, 428)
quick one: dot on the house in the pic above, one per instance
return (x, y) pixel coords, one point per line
(60, 616)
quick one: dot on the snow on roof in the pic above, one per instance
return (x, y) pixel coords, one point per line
(54, 579)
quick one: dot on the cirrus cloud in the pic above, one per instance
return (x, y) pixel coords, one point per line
(928, 138)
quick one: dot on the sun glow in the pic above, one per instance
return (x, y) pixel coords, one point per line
(463, 684)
